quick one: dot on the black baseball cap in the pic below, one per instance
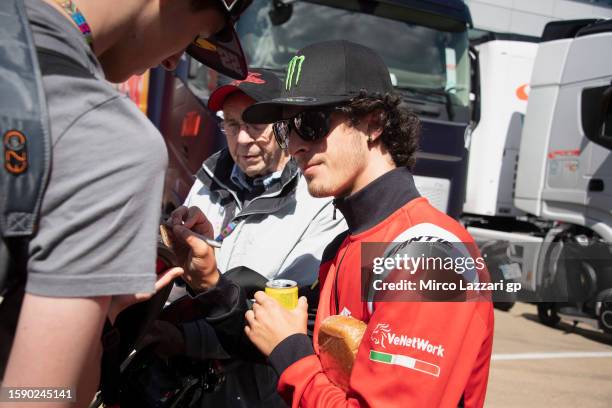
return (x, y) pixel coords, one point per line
(260, 84)
(325, 73)
(223, 52)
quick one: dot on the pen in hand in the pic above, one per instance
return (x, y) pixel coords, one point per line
(168, 242)
(211, 242)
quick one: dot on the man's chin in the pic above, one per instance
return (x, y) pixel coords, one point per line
(253, 171)
(118, 76)
(317, 190)
(116, 72)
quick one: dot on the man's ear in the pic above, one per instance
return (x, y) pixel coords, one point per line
(375, 121)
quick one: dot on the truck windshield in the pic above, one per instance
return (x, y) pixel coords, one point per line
(425, 62)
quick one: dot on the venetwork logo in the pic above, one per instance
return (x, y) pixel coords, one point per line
(294, 68)
(382, 334)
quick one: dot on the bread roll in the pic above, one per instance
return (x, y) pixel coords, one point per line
(339, 339)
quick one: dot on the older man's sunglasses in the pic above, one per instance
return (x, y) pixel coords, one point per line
(310, 125)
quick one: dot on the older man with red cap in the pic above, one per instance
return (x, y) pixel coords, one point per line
(258, 205)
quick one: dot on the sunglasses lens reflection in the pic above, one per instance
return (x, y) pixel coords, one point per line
(281, 133)
(312, 125)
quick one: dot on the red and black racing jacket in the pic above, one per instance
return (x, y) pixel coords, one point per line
(413, 354)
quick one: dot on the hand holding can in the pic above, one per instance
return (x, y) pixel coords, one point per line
(284, 291)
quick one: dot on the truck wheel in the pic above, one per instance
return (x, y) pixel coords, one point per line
(547, 312)
(605, 318)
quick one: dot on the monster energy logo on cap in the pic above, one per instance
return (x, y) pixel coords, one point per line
(296, 62)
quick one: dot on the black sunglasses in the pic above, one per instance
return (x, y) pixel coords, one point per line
(310, 125)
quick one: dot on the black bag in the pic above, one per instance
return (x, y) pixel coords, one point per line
(154, 382)
(182, 382)
(151, 381)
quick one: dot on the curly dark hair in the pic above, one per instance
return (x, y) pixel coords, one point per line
(401, 127)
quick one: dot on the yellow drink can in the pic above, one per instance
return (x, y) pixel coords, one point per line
(284, 291)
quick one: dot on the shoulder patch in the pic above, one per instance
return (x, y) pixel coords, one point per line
(426, 232)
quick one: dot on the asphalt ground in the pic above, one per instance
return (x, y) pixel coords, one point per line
(539, 366)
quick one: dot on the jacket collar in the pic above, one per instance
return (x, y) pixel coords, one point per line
(215, 174)
(249, 184)
(220, 165)
(378, 200)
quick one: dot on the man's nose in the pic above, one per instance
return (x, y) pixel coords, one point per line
(243, 136)
(295, 144)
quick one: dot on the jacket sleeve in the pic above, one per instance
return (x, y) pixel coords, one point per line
(412, 355)
(224, 307)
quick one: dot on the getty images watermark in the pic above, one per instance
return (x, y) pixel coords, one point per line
(430, 271)
(426, 268)
(422, 263)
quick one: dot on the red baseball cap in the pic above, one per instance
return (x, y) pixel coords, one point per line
(260, 84)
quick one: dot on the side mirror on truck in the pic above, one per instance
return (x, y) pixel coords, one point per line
(597, 115)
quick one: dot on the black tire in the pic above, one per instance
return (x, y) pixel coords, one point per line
(547, 313)
(504, 306)
(605, 318)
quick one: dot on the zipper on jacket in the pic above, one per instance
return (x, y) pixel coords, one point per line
(335, 209)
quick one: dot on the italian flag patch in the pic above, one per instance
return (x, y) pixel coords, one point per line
(405, 361)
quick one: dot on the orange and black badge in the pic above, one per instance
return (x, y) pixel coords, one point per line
(15, 152)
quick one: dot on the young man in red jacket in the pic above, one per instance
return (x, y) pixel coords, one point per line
(338, 117)
(353, 142)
